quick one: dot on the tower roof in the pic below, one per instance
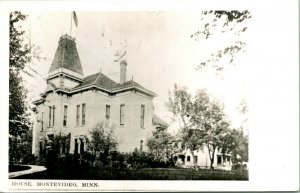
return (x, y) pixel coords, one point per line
(66, 55)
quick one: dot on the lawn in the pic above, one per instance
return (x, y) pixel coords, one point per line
(141, 174)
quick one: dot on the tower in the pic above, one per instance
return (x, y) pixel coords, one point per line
(66, 70)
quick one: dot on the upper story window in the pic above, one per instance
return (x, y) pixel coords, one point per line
(51, 116)
(77, 114)
(42, 121)
(142, 121)
(83, 114)
(107, 112)
(122, 114)
(65, 115)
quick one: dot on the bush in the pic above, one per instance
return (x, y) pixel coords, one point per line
(137, 160)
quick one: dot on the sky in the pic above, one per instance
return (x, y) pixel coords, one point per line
(160, 53)
(159, 50)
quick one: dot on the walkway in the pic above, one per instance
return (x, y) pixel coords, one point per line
(33, 169)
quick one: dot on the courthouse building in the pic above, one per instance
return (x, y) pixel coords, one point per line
(73, 103)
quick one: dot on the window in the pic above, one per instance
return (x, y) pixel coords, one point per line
(42, 121)
(142, 116)
(196, 159)
(141, 145)
(41, 147)
(63, 147)
(81, 146)
(50, 116)
(65, 115)
(188, 158)
(107, 112)
(76, 147)
(83, 114)
(77, 115)
(122, 106)
(219, 160)
(53, 118)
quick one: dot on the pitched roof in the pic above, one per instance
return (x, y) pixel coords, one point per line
(98, 79)
(66, 55)
(158, 121)
(102, 81)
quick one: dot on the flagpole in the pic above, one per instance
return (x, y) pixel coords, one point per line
(71, 24)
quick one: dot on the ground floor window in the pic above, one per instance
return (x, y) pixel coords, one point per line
(41, 147)
(219, 159)
(188, 158)
(196, 159)
(81, 146)
(76, 147)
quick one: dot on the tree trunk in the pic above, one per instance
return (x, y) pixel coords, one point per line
(194, 161)
(211, 156)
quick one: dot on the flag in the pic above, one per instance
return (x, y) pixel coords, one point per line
(75, 18)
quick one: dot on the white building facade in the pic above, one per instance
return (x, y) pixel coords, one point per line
(72, 104)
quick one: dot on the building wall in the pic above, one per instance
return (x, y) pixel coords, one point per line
(129, 135)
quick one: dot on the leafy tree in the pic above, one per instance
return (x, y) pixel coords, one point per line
(181, 105)
(207, 125)
(19, 56)
(211, 123)
(160, 145)
(101, 139)
(229, 25)
(20, 147)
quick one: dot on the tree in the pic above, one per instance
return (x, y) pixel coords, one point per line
(20, 147)
(228, 25)
(160, 145)
(213, 127)
(207, 125)
(19, 56)
(101, 140)
(181, 105)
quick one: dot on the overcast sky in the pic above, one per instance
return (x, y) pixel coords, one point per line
(160, 51)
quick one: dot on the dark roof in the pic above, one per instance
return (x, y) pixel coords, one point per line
(97, 79)
(102, 81)
(158, 121)
(66, 55)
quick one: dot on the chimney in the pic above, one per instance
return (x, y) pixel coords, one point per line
(123, 65)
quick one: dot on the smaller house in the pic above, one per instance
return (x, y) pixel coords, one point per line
(183, 158)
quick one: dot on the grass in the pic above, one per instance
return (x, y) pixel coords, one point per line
(141, 174)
